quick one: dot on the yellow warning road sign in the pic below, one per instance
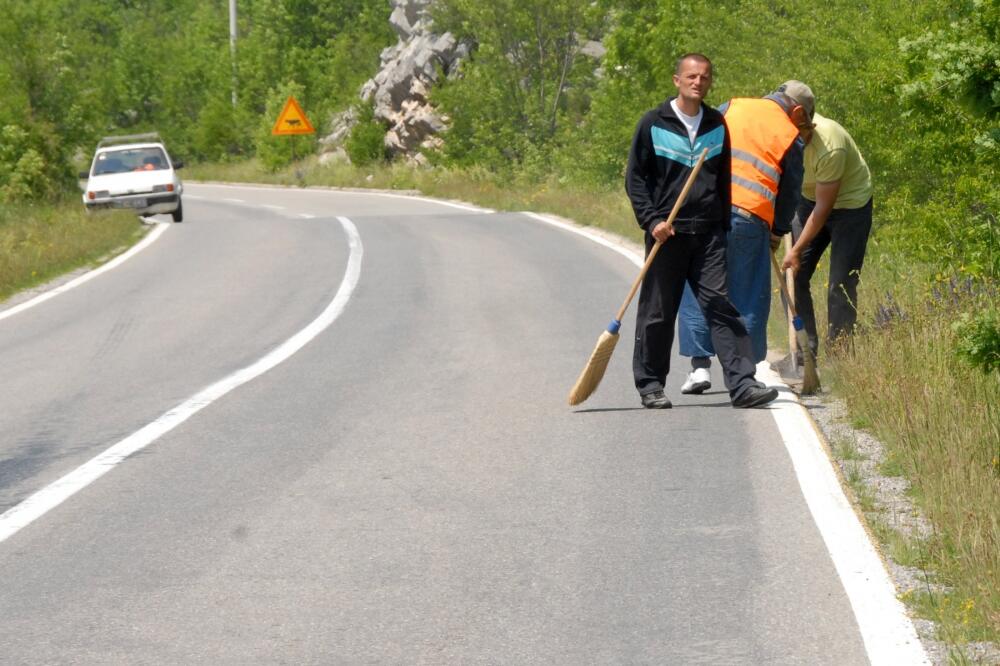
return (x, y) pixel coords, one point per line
(292, 120)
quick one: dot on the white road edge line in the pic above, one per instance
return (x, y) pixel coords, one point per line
(54, 494)
(886, 629)
(473, 209)
(158, 231)
(888, 633)
(626, 252)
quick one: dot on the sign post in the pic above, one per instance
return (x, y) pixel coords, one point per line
(292, 121)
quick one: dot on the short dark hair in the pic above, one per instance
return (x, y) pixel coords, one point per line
(697, 57)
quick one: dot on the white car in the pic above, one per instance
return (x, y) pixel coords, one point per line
(134, 172)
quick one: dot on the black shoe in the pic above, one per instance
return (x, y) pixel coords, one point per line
(656, 400)
(754, 396)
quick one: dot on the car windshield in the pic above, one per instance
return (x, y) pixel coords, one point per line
(149, 158)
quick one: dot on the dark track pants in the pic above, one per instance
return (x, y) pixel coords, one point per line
(699, 260)
(846, 234)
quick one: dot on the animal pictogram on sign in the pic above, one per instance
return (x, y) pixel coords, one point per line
(292, 120)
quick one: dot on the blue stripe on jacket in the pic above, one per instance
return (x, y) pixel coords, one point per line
(679, 148)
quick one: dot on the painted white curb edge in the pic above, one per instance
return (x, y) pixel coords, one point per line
(888, 633)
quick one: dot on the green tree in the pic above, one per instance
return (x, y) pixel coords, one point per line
(75, 70)
(329, 47)
(41, 112)
(366, 143)
(952, 81)
(960, 61)
(518, 86)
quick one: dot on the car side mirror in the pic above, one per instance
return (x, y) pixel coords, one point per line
(83, 175)
(178, 164)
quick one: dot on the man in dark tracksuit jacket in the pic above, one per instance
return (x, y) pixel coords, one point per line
(665, 148)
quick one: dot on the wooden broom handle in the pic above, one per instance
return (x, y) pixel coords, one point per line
(657, 244)
(784, 289)
(793, 342)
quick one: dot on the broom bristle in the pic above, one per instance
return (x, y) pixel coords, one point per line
(594, 370)
(810, 378)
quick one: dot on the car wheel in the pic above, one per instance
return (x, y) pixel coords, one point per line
(178, 214)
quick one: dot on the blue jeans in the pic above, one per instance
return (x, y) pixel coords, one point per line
(748, 271)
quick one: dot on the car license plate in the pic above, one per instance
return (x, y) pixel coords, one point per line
(134, 203)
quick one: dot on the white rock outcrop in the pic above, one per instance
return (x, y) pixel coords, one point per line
(399, 91)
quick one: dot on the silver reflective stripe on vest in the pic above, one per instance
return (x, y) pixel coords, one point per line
(756, 188)
(766, 169)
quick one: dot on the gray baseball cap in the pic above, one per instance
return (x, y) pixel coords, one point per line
(801, 94)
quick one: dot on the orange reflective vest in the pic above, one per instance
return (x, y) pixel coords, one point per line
(760, 133)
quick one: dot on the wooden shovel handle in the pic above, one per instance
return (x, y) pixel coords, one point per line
(657, 244)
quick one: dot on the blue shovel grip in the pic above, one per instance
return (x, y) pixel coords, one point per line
(797, 323)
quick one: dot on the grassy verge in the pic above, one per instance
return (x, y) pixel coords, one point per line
(42, 241)
(939, 419)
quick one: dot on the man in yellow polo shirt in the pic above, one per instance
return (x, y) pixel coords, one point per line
(835, 211)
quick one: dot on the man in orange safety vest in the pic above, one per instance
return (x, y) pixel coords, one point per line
(766, 182)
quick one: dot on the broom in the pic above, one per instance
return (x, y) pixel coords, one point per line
(810, 379)
(593, 372)
(792, 343)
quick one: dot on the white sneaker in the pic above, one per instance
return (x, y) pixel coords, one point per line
(698, 380)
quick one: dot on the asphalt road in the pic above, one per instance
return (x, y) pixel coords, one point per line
(410, 486)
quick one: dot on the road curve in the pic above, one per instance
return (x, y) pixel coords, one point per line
(409, 487)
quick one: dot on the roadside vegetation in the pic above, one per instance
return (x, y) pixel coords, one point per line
(536, 125)
(922, 378)
(43, 241)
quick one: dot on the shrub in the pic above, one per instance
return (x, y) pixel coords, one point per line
(366, 143)
(977, 339)
(23, 173)
(218, 134)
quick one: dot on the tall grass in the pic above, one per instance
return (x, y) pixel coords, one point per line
(939, 419)
(937, 416)
(42, 241)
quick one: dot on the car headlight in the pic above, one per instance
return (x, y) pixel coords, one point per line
(169, 187)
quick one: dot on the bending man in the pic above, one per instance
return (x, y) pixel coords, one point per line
(836, 211)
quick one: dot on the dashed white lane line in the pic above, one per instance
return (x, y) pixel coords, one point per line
(54, 494)
(886, 630)
(150, 238)
(372, 193)
(271, 206)
(234, 200)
